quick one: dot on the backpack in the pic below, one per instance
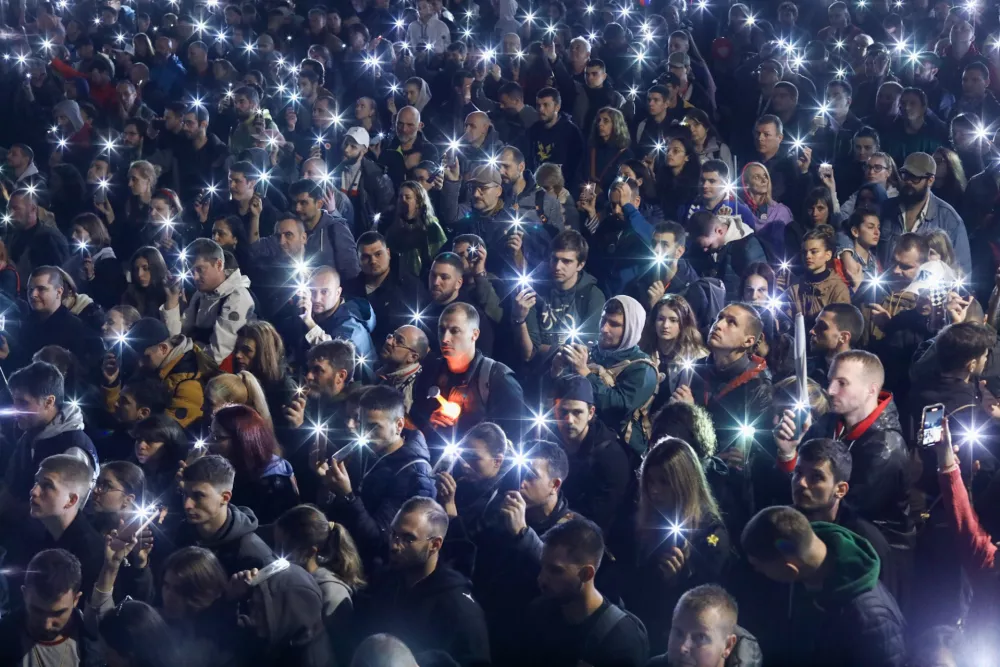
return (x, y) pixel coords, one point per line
(486, 368)
(606, 622)
(640, 416)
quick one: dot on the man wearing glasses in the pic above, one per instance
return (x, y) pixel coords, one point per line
(420, 600)
(919, 210)
(401, 356)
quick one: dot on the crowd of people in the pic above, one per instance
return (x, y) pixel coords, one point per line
(388, 334)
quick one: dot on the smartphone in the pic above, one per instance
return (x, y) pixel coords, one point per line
(101, 195)
(932, 425)
(687, 375)
(269, 571)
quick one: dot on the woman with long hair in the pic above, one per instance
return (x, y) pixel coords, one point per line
(160, 445)
(93, 264)
(607, 147)
(230, 233)
(261, 351)
(128, 233)
(147, 290)
(707, 142)
(143, 47)
(772, 216)
(415, 236)
(680, 541)
(239, 389)
(678, 176)
(264, 481)
(10, 280)
(671, 339)
(120, 487)
(817, 209)
(166, 225)
(550, 178)
(949, 180)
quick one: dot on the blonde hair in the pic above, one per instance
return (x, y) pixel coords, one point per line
(241, 389)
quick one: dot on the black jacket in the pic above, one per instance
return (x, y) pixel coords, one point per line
(740, 392)
(746, 653)
(39, 246)
(373, 196)
(392, 302)
(438, 613)
(13, 653)
(64, 329)
(881, 474)
(390, 481)
(562, 144)
(600, 476)
(236, 545)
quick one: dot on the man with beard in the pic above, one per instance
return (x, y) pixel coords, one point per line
(403, 472)
(940, 100)
(421, 600)
(201, 160)
(555, 138)
(572, 623)
(444, 283)
(129, 105)
(917, 209)
(401, 356)
(513, 118)
(703, 630)
(520, 191)
(838, 327)
(599, 466)
(408, 148)
(246, 105)
(244, 201)
(363, 181)
(49, 629)
(515, 238)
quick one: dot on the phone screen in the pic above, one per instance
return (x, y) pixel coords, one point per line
(932, 424)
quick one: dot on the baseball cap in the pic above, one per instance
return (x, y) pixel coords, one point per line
(358, 135)
(147, 332)
(486, 175)
(679, 59)
(919, 164)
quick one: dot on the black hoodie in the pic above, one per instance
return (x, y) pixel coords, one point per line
(295, 635)
(599, 476)
(236, 545)
(561, 144)
(438, 613)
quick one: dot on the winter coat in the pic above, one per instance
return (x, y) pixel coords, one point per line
(183, 373)
(213, 318)
(390, 302)
(329, 243)
(633, 388)
(416, 243)
(880, 476)
(729, 262)
(389, 481)
(437, 613)
(109, 281)
(738, 392)
(534, 198)
(852, 603)
(64, 329)
(638, 289)
(353, 321)
(810, 294)
(372, 197)
(940, 215)
(236, 545)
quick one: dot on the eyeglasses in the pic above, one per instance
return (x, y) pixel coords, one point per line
(398, 341)
(407, 540)
(875, 167)
(103, 486)
(912, 178)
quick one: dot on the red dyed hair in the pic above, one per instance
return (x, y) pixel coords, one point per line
(253, 443)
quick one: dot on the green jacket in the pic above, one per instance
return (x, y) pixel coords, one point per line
(633, 388)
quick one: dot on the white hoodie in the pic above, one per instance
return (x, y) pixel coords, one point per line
(236, 305)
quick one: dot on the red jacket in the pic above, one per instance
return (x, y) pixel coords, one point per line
(978, 551)
(105, 95)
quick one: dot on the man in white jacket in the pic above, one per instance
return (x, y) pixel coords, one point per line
(220, 307)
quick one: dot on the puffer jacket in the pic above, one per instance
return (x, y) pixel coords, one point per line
(354, 321)
(880, 477)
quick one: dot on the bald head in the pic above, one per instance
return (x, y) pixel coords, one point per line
(408, 124)
(477, 125)
(415, 338)
(325, 286)
(314, 169)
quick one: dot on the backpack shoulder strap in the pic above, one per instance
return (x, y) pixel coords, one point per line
(485, 371)
(606, 622)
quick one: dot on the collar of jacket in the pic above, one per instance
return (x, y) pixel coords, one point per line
(865, 424)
